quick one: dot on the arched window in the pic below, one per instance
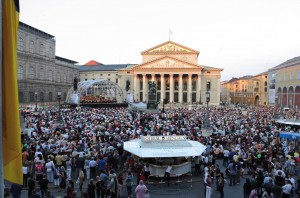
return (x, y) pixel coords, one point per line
(50, 75)
(31, 47)
(50, 96)
(20, 44)
(42, 74)
(20, 72)
(42, 49)
(31, 73)
(42, 97)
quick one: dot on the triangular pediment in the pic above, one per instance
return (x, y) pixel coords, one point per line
(170, 47)
(167, 63)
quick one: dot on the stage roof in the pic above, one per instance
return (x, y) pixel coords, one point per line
(164, 148)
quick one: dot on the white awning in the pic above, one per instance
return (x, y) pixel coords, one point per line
(153, 149)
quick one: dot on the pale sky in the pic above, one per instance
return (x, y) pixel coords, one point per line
(245, 37)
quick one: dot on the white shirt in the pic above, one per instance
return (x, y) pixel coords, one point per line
(169, 169)
(25, 170)
(226, 153)
(287, 188)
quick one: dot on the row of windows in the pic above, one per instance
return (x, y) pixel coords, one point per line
(284, 77)
(32, 48)
(41, 75)
(40, 97)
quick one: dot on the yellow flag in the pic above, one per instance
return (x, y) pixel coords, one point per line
(11, 143)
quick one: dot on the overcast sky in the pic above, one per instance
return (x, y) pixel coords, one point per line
(245, 37)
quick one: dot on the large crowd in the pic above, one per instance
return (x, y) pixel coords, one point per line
(87, 145)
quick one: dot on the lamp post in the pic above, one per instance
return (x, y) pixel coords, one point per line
(35, 96)
(59, 98)
(207, 122)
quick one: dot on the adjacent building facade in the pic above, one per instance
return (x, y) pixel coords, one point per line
(285, 84)
(174, 68)
(41, 74)
(250, 90)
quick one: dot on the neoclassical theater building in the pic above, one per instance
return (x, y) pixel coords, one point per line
(174, 68)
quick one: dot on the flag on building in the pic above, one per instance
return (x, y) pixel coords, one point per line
(11, 142)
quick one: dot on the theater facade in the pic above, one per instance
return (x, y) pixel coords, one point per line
(174, 68)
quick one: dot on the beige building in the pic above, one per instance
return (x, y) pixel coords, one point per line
(285, 79)
(250, 90)
(41, 74)
(173, 67)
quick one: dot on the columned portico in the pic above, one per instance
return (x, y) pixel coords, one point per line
(175, 70)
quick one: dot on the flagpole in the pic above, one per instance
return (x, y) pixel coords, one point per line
(1, 121)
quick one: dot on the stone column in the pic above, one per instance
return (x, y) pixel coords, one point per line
(198, 89)
(136, 88)
(189, 93)
(180, 89)
(171, 88)
(144, 87)
(162, 88)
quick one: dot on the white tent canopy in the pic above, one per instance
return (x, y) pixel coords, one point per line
(164, 146)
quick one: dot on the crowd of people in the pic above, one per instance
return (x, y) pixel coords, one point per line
(88, 146)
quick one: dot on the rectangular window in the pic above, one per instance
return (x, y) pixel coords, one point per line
(116, 80)
(291, 76)
(101, 74)
(208, 85)
(85, 79)
(108, 74)
(298, 75)
(85, 74)
(266, 89)
(284, 76)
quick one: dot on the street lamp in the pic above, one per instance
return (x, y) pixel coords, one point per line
(35, 96)
(207, 95)
(59, 98)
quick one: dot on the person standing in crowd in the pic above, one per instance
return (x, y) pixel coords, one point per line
(168, 173)
(63, 178)
(286, 189)
(91, 189)
(93, 167)
(129, 183)
(43, 186)
(221, 182)
(80, 181)
(25, 170)
(70, 189)
(39, 171)
(31, 185)
(247, 188)
(68, 168)
(15, 190)
(232, 172)
(49, 166)
(120, 185)
(87, 168)
(141, 190)
(208, 186)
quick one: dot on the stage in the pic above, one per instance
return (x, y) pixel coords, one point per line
(101, 105)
